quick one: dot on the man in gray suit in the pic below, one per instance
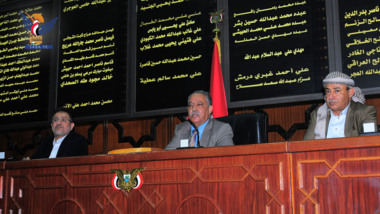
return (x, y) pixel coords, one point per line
(344, 114)
(211, 131)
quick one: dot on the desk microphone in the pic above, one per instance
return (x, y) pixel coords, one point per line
(196, 129)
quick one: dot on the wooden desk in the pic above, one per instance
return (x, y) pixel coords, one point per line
(2, 186)
(336, 175)
(321, 176)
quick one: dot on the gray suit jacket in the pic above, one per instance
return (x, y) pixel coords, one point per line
(216, 133)
(357, 114)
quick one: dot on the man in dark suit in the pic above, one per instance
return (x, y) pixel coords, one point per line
(211, 131)
(344, 114)
(65, 143)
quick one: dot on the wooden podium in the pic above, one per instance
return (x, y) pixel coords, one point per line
(319, 176)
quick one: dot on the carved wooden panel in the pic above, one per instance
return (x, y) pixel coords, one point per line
(340, 181)
(2, 190)
(234, 184)
(339, 175)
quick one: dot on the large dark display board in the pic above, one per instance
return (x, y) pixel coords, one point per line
(117, 59)
(25, 68)
(277, 48)
(93, 58)
(360, 41)
(174, 49)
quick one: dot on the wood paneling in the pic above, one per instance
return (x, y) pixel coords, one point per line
(336, 176)
(320, 176)
(2, 187)
(241, 179)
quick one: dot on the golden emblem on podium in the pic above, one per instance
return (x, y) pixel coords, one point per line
(127, 180)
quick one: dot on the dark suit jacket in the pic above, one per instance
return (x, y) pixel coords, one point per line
(73, 145)
(216, 133)
(357, 114)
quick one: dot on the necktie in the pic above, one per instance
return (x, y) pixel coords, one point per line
(193, 138)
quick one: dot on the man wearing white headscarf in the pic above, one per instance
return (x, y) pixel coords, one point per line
(344, 111)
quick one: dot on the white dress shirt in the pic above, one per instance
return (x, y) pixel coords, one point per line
(56, 145)
(336, 124)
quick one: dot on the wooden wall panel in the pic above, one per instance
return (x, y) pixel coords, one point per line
(286, 116)
(138, 129)
(374, 100)
(96, 146)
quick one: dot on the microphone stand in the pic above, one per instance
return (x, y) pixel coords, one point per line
(198, 141)
(196, 129)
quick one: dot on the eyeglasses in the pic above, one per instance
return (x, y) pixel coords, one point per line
(62, 119)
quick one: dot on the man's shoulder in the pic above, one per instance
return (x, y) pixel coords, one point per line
(182, 125)
(212, 122)
(361, 107)
(216, 121)
(321, 107)
(219, 124)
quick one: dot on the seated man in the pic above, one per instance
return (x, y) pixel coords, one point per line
(344, 113)
(211, 131)
(65, 142)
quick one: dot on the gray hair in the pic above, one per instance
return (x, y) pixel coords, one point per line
(205, 93)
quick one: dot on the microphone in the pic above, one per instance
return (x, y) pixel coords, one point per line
(195, 127)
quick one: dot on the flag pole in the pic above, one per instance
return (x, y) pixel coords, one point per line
(217, 91)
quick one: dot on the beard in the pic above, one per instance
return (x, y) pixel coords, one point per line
(59, 130)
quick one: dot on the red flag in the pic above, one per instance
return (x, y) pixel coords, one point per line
(217, 92)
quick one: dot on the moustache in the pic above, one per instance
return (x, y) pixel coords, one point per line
(58, 126)
(332, 101)
(195, 113)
